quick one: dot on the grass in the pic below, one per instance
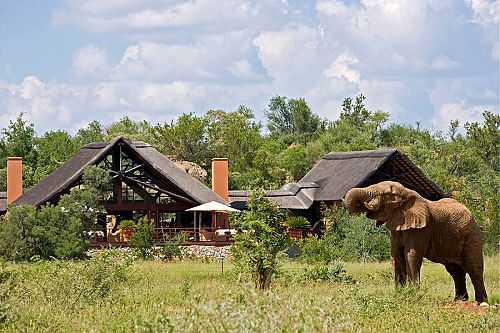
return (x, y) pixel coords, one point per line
(111, 295)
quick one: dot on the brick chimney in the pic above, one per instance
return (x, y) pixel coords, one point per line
(14, 178)
(220, 177)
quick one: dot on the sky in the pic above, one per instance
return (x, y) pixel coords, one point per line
(65, 63)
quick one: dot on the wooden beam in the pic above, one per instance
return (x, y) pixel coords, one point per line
(173, 195)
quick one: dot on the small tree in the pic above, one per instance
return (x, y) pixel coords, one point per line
(54, 231)
(260, 240)
(143, 238)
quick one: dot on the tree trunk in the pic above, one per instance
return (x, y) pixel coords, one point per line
(264, 278)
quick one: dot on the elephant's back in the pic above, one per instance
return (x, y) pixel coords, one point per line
(451, 216)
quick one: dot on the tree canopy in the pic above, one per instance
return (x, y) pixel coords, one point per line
(464, 161)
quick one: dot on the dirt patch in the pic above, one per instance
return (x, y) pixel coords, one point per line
(468, 306)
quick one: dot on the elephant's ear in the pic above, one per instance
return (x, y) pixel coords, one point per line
(413, 213)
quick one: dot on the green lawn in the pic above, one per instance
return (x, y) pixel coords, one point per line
(188, 296)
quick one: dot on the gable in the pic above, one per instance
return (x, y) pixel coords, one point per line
(337, 173)
(143, 171)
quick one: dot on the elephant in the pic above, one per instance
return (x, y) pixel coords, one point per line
(442, 231)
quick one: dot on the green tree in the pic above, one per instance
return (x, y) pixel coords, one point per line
(3, 179)
(356, 129)
(53, 150)
(94, 132)
(235, 135)
(255, 248)
(269, 173)
(186, 138)
(54, 231)
(143, 238)
(294, 160)
(18, 139)
(133, 130)
(46, 232)
(292, 120)
(486, 139)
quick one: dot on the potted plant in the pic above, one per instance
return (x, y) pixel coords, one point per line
(297, 226)
(127, 228)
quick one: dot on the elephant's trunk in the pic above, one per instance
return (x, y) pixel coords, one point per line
(354, 201)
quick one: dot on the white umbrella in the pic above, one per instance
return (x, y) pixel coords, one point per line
(213, 206)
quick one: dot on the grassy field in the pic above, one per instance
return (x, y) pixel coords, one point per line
(110, 295)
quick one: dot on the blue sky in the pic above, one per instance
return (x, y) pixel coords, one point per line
(66, 63)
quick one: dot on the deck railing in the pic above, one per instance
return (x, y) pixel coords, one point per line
(205, 235)
(121, 237)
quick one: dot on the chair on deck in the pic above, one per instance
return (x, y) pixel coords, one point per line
(206, 235)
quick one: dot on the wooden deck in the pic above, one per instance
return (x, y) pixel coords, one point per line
(204, 236)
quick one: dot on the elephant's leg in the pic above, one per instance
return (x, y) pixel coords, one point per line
(399, 267)
(479, 289)
(398, 260)
(414, 259)
(476, 275)
(474, 266)
(458, 274)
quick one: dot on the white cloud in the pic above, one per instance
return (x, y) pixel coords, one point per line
(30, 87)
(53, 106)
(331, 7)
(180, 56)
(390, 35)
(457, 99)
(457, 111)
(181, 94)
(385, 95)
(212, 15)
(293, 52)
(49, 106)
(242, 69)
(206, 58)
(90, 61)
(443, 62)
(485, 12)
(341, 67)
(487, 15)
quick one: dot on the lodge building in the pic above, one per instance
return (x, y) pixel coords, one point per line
(146, 183)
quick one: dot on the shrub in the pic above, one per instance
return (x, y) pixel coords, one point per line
(347, 237)
(49, 232)
(364, 241)
(53, 231)
(68, 285)
(297, 222)
(127, 224)
(143, 237)
(333, 271)
(255, 248)
(320, 249)
(171, 247)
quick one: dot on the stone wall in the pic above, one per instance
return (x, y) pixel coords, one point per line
(206, 252)
(190, 252)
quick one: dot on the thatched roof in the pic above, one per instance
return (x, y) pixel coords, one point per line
(69, 174)
(337, 173)
(290, 196)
